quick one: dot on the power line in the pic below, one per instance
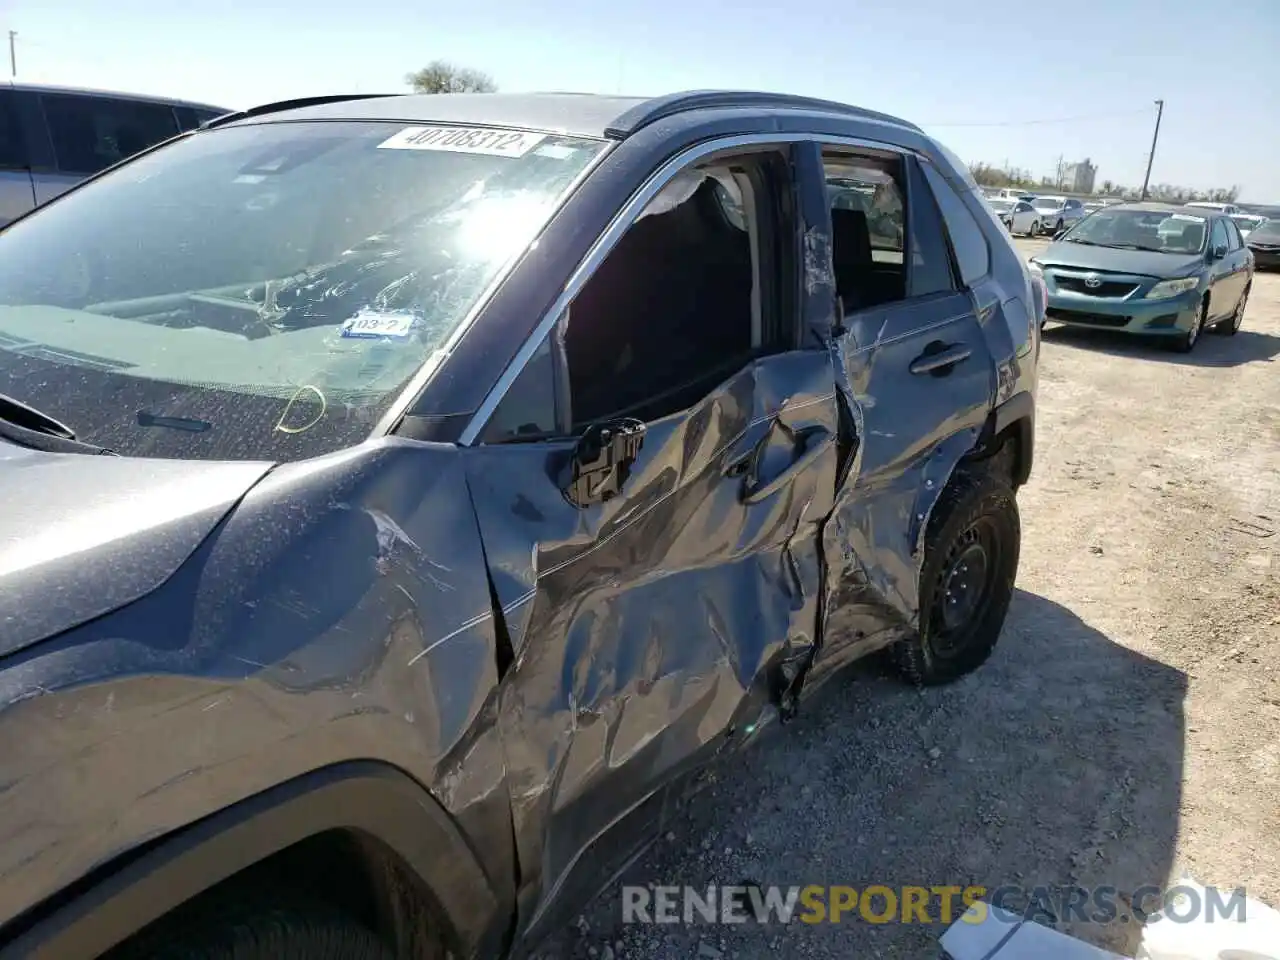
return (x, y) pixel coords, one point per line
(1028, 123)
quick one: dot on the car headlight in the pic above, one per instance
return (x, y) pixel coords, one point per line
(1171, 288)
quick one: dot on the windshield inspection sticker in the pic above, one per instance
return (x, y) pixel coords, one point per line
(494, 143)
(379, 325)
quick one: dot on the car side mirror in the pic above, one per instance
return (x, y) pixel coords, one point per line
(602, 460)
(1218, 252)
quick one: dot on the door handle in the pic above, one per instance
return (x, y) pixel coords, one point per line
(817, 442)
(939, 356)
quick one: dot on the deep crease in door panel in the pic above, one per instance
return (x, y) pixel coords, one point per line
(624, 670)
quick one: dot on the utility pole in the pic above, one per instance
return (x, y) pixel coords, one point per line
(1154, 137)
(13, 57)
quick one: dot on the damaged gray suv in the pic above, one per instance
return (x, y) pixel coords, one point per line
(401, 497)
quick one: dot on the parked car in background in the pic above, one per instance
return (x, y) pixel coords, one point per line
(1057, 212)
(404, 498)
(51, 138)
(1228, 208)
(1017, 215)
(1013, 193)
(1264, 243)
(1246, 223)
(1152, 269)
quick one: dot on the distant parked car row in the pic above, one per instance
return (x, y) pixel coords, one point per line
(51, 138)
(1032, 215)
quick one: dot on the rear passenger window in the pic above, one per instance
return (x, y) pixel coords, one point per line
(1234, 240)
(91, 133)
(872, 228)
(967, 238)
(13, 150)
(1218, 235)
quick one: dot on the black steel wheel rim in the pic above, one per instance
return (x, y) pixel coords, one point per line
(965, 587)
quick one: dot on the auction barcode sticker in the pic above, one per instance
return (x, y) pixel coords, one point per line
(486, 140)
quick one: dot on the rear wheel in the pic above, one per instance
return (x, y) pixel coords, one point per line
(971, 561)
(1187, 341)
(232, 926)
(1231, 326)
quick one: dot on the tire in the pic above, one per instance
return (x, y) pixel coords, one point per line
(1231, 326)
(1035, 229)
(975, 522)
(1187, 341)
(233, 926)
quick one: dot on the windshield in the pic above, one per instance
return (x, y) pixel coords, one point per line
(266, 291)
(1179, 233)
(1002, 206)
(1047, 203)
(1245, 222)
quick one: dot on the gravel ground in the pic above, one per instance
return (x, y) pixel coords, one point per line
(1127, 728)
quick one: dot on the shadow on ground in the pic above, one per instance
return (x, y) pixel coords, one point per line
(1247, 346)
(1058, 763)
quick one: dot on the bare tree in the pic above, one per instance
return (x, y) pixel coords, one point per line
(440, 76)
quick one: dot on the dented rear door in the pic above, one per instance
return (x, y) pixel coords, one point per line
(917, 378)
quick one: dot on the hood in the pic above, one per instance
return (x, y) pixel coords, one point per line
(82, 535)
(1079, 256)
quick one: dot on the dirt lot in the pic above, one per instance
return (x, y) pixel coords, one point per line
(1127, 728)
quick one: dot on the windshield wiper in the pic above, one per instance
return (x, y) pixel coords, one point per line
(33, 428)
(1087, 243)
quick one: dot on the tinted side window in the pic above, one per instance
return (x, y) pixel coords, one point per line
(967, 238)
(528, 411)
(204, 116)
(13, 147)
(1218, 235)
(1234, 240)
(91, 133)
(931, 270)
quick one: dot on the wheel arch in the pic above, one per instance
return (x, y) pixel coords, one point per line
(1008, 438)
(385, 811)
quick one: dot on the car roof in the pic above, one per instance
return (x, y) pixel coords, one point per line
(1151, 206)
(573, 114)
(120, 94)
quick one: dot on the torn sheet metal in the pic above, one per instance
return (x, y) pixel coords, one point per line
(340, 611)
(645, 628)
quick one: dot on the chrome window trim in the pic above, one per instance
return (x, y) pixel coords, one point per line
(618, 226)
(411, 391)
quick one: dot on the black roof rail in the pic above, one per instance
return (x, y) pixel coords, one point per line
(281, 105)
(659, 108)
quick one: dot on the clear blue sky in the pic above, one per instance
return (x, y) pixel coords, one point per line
(971, 74)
